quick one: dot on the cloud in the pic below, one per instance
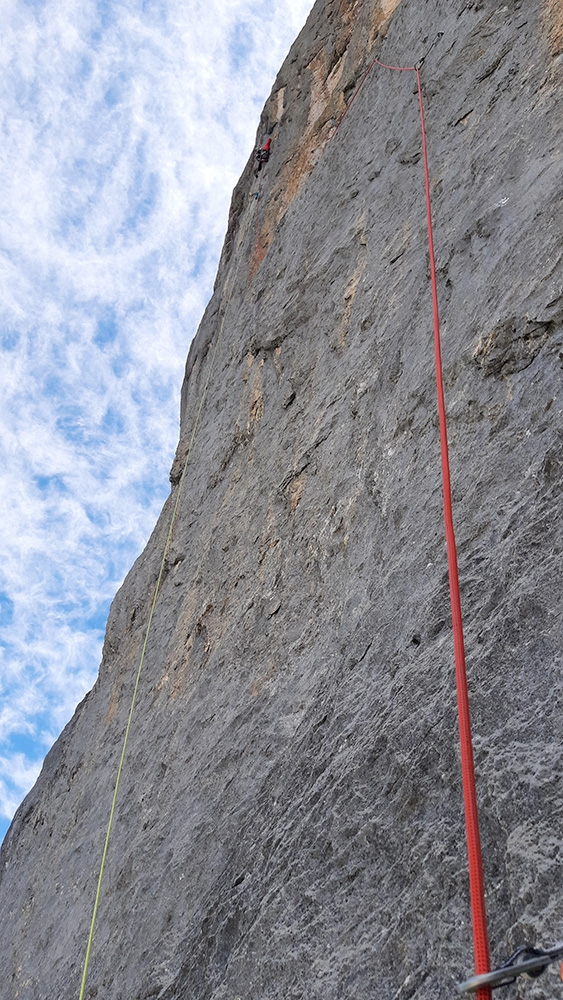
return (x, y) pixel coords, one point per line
(16, 772)
(124, 129)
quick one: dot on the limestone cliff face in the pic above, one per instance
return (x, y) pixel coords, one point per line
(290, 817)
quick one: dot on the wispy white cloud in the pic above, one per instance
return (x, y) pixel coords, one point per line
(22, 773)
(124, 127)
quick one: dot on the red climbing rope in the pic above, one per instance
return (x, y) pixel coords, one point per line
(476, 879)
(400, 69)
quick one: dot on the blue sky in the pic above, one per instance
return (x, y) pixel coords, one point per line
(124, 127)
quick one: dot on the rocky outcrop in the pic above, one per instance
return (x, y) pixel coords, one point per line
(290, 818)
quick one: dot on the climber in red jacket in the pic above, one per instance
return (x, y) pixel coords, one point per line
(262, 156)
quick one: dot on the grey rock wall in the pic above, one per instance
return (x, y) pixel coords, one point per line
(290, 821)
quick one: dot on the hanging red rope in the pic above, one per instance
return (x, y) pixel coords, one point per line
(475, 861)
(476, 879)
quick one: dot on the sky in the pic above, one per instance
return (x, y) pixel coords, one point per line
(124, 128)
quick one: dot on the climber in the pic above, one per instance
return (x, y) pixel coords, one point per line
(262, 155)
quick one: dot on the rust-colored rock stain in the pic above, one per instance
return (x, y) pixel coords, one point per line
(552, 13)
(334, 72)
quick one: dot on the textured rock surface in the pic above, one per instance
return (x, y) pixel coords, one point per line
(289, 822)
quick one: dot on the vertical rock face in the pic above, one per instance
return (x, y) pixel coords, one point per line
(290, 822)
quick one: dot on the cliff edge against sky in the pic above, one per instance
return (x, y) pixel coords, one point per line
(290, 819)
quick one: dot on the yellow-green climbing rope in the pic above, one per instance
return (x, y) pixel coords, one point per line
(144, 649)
